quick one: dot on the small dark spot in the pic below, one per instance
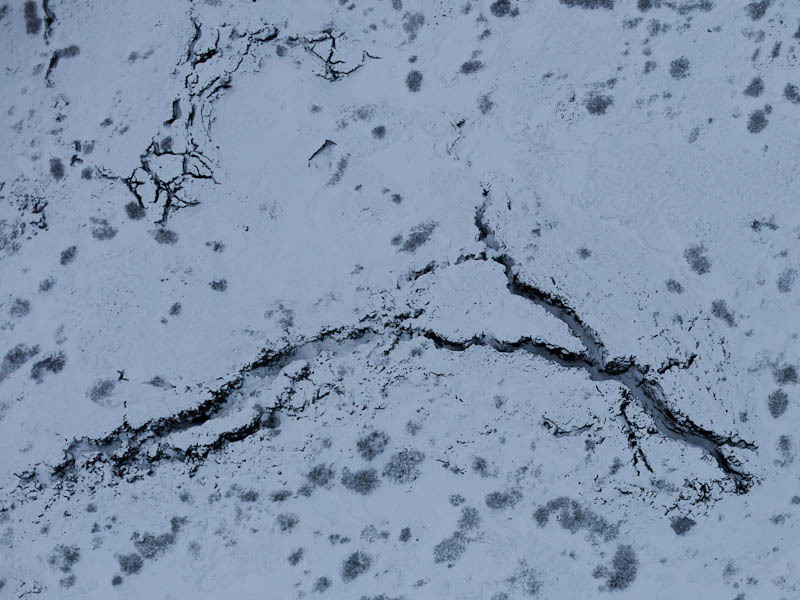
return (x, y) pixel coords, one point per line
(280, 495)
(456, 499)
(175, 309)
(397, 198)
(19, 308)
(130, 563)
(756, 10)
(792, 93)
(785, 374)
(500, 8)
(379, 132)
(674, 286)
(719, 309)
(485, 104)
(116, 580)
(56, 168)
(480, 466)
(527, 579)
(649, 66)
(756, 224)
(450, 549)
(786, 280)
(33, 22)
(470, 519)
(45, 285)
(102, 230)
(755, 88)
(757, 121)
(681, 525)
(323, 583)
(248, 496)
(679, 68)
(101, 390)
(644, 5)
(695, 256)
(405, 534)
(471, 66)
(356, 564)
(503, 500)
(69, 52)
(341, 167)
(287, 521)
(597, 104)
(219, 285)
(541, 515)
(364, 113)
(153, 546)
(372, 445)
(589, 4)
(86, 173)
(418, 236)
(778, 402)
(412, 23)
(53, 363)
(296, 556)
(135, 211)
(625, 566)
(584, 253)
(164, 236)
(280, 50)
(64, 557)
(15, 358)
(414, 81)
(403, 467)
(573, 517)
(321, 475)
(363, 482)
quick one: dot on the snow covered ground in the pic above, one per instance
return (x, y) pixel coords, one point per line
(399, 299)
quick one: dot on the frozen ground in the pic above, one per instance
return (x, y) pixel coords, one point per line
(399, 299)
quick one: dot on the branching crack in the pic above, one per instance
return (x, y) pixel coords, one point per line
(163, 174)
(334, 69)
(132, 451)
(626, 371)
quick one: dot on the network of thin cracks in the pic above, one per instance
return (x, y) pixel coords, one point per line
(199, 94)
(333, 70)
(133, 451)
(145, 182)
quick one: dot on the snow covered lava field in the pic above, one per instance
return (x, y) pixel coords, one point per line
(399, 299)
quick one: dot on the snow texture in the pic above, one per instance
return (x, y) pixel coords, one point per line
(395, 299)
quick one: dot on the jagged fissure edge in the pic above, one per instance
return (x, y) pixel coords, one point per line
(627, 372)
(124, 446)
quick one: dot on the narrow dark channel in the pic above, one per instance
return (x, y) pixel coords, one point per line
(627, 372)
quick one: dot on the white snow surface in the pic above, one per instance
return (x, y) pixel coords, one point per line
(364, 299)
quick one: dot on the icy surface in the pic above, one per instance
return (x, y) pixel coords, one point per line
(399, 299)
